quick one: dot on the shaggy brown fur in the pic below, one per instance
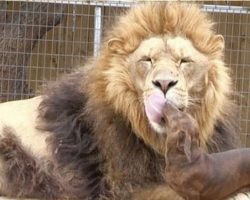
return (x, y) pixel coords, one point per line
(101, 142)
(23, 177)
(73, 144)
(192, 172)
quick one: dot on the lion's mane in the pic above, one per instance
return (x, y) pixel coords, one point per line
(99, 128)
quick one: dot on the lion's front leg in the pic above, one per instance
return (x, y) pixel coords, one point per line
(193, 173)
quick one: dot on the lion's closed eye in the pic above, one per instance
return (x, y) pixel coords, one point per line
(185, 60)
(146, 59)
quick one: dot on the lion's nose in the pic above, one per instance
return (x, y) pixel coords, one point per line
(164, 85)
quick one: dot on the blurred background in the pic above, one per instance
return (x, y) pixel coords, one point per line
(42, 39)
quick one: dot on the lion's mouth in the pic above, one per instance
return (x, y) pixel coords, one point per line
(154, 105)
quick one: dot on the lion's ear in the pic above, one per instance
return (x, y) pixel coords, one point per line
(116, 45)
(216, 45)
(219, 40)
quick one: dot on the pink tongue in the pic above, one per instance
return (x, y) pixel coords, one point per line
(154, 106)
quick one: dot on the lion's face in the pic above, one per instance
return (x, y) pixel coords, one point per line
(170, 67)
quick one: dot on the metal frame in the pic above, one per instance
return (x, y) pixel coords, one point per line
(97, 29)
(123, 4)
(117, 3)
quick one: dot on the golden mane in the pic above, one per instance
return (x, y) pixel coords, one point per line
(164, 18)
(114, 88)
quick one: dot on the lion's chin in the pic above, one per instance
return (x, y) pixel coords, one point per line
(159, 128)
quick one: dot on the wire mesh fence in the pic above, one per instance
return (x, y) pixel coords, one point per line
(41, 40)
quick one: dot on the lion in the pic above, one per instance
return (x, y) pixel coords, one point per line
(99, 133)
